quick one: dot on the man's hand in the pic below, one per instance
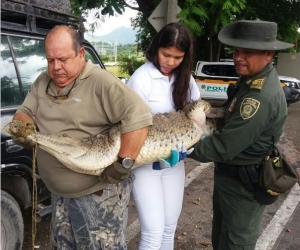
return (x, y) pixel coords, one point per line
(115, 173)
(24, 142)
(177, 154)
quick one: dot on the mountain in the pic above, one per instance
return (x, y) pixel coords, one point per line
(122, 35)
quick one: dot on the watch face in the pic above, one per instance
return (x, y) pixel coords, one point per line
(127, 162)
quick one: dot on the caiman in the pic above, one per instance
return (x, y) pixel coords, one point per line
(91, 156)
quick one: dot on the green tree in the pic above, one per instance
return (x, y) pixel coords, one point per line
(205, 18)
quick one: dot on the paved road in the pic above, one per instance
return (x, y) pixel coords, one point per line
(280, 229)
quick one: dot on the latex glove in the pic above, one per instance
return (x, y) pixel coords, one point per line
(24, 142)
(177, 154)
(115, 173)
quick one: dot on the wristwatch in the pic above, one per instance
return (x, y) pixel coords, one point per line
(126, 162)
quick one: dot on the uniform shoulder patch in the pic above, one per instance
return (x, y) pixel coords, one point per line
(249, 108)
(258, 83)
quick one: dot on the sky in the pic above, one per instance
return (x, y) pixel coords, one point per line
(113, 22)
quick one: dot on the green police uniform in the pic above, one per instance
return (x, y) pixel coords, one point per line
(254, 115)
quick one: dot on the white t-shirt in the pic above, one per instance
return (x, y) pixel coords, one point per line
(156, 89)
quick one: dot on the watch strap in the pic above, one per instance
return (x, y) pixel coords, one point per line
(120, 160)
(119, 168)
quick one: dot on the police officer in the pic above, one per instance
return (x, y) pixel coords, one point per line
(254, 117)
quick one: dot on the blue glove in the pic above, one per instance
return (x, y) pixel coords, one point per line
(177, 154)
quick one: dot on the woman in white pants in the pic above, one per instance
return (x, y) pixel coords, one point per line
(166, 84)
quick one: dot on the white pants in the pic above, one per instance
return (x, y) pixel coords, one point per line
(158, 197)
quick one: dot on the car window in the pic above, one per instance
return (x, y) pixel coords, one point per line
(31, 60)
(230, 71)
(89, 55)
(219, 70)
(10, 91)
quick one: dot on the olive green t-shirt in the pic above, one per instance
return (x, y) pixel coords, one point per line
(97, 102)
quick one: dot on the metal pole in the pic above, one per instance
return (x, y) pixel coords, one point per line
(172, 11)
(116, 50)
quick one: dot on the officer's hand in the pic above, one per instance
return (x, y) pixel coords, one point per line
(115, 173)
(24, 142)
(177, 154)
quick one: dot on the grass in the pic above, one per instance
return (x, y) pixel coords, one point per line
(115, 71)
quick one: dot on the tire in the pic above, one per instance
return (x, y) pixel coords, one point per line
(12, 225)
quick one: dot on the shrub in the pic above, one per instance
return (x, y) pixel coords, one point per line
(128, 64)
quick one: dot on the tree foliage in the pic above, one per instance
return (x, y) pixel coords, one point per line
(204, 18)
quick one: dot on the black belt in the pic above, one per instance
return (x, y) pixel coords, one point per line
(228, 170)
(249, 174)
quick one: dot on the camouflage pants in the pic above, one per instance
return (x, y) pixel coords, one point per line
(91, 222)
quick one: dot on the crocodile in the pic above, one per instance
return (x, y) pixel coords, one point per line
(92, 155)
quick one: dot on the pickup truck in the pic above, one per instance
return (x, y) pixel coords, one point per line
(23, 29)
(213, 78)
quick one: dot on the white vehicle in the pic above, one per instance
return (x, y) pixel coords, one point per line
(213, 78)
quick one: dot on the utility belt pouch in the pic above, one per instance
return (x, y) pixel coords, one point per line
(249, 176)
(277, 177)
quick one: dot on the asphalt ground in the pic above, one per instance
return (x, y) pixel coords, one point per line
(279, 230)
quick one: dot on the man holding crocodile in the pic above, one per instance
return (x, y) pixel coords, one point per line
(77, 98)
(87, 212)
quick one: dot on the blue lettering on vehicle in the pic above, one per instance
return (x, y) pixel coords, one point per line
(216, 89)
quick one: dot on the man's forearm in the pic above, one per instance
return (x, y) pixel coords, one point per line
(132, 142)
(23, 118)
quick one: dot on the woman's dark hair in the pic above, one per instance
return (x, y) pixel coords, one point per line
(177, 35)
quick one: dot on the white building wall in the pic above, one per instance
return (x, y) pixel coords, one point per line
(288, 64)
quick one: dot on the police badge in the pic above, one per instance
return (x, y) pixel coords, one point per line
(249, 108)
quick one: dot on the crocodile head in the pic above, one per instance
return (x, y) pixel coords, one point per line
(19, 129)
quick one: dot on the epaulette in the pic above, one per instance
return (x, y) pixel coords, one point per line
(257, 84)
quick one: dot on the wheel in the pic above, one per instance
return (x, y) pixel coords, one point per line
(12, 225)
